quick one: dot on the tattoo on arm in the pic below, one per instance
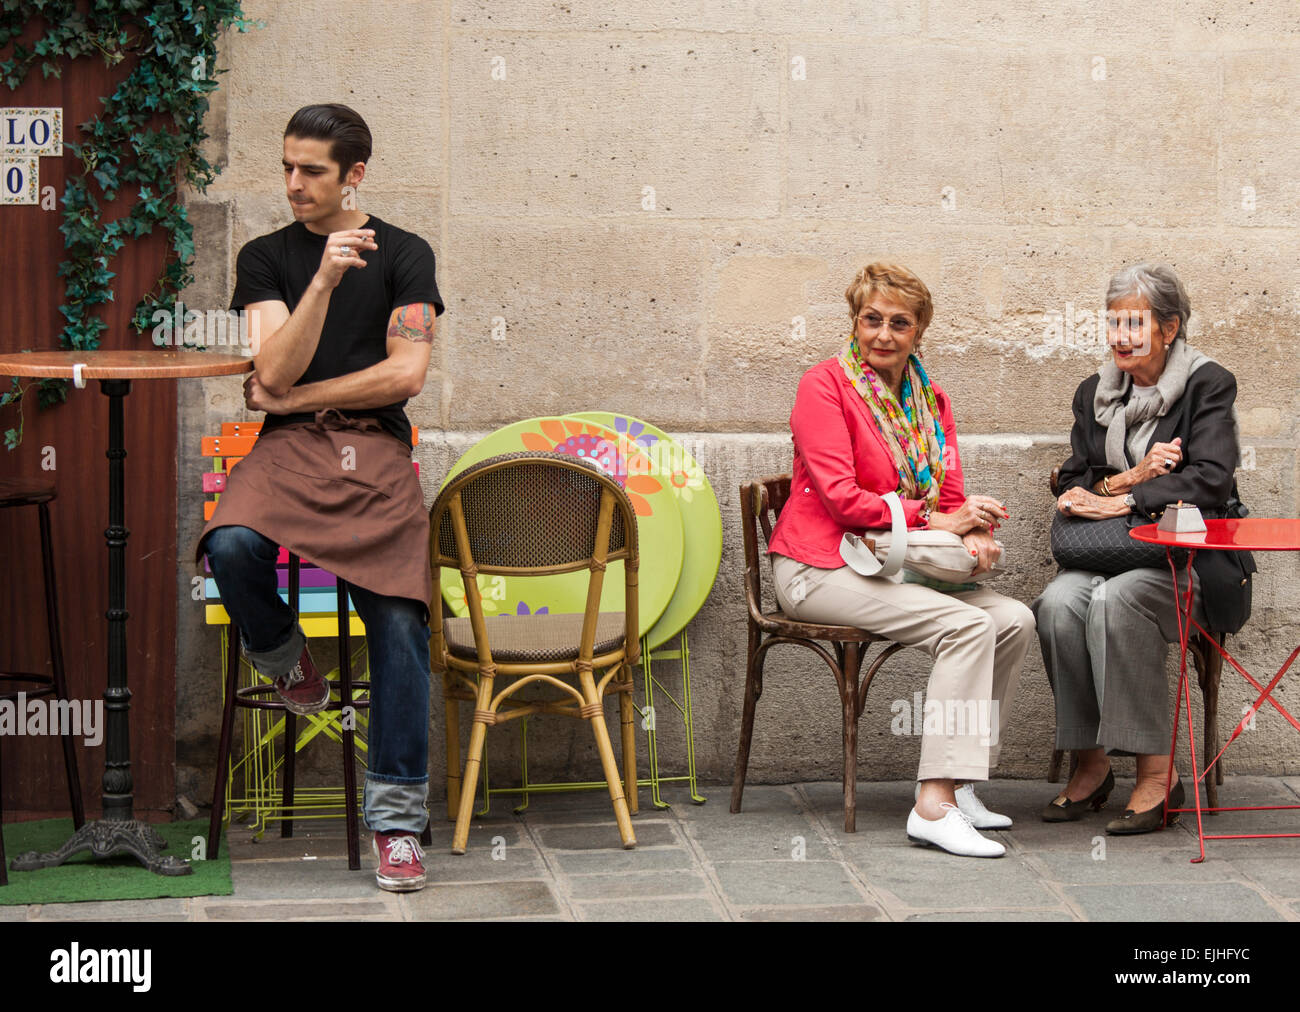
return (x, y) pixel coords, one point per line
(414, 323)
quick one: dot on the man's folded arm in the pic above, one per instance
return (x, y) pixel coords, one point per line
(398, 377)
(286, 342)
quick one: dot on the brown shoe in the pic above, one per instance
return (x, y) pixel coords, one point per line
(1131, 823)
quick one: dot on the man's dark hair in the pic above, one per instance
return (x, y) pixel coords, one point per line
(344, 128)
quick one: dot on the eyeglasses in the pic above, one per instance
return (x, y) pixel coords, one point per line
(1130, 320)
(899, 325)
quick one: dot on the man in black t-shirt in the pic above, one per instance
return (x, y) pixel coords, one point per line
(343, 307)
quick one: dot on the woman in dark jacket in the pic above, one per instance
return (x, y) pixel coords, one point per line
(1156, 425)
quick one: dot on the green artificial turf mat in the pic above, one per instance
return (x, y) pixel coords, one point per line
(82, 878)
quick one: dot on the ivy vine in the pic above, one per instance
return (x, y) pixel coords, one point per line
(146, 141)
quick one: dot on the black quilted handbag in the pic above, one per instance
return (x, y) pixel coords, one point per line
(1103, 546)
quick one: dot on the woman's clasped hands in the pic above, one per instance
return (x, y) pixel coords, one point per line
(975, 520)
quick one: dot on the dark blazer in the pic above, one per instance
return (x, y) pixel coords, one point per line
(1204, 476)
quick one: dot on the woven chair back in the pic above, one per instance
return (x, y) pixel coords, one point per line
(531, 512)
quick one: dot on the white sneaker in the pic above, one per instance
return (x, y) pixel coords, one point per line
(953, 833)
(973, 808)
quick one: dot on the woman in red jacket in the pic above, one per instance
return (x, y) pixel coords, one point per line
(865, 423)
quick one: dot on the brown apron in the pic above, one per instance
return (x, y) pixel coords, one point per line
(340, 492)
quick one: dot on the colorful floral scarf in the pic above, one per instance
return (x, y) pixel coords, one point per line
(909, 424)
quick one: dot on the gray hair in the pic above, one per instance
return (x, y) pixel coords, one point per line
(1159, 285)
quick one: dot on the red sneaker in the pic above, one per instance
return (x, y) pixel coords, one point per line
(401, 862)
(302, 689)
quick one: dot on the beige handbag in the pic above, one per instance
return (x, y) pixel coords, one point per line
(930, 557)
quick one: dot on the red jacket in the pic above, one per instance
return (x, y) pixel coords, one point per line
(842, 467)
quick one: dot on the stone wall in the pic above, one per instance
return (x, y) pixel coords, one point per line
(664, 203)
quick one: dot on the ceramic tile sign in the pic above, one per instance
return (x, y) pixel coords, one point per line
(31, 132)
(19, 180)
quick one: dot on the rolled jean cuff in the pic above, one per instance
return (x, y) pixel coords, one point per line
(396, 805)
(279, 660)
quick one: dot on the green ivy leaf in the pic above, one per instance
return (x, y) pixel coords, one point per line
(51, 392)
(123, 149)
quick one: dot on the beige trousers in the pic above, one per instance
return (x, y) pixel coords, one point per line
(978, 640)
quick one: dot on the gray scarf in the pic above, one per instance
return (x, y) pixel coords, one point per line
(1116, 417)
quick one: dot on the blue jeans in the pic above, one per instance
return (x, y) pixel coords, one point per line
(397, 639)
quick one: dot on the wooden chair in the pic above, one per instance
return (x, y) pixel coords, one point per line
(533, 514)
(1209, 665)
(763, 501)
(15, 492)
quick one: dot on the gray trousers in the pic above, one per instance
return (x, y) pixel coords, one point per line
(1105, 641)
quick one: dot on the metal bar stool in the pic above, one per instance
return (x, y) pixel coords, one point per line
(25, 492)
(250, 697)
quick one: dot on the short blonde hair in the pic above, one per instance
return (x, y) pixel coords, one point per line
(899, 284)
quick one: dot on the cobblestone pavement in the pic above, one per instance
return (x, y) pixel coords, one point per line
(785, 857)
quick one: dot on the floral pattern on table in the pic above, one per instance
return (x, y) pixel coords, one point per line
(629, 452)
(686, 480)
(634, 430)
(619, 452)
(491, 590)
(681, 474)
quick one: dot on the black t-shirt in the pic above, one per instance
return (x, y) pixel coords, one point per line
(280, 266)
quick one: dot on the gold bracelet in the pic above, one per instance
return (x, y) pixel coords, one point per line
(1105, 486)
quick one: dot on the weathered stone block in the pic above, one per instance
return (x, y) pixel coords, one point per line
(842, 17)
(316, 51)
(580, 125)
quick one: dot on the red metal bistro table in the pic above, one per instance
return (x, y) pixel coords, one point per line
(118, 832)
(1249, 535)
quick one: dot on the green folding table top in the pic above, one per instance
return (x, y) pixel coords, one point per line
(701, 519)
(659, 524)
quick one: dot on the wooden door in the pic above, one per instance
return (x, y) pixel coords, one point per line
(31, 249)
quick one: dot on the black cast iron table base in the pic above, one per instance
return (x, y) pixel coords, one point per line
(110, 838)
(119, 832)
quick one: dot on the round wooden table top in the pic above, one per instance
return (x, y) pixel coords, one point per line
(165, 363)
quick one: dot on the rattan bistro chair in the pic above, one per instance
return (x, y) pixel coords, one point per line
(763, 501)
(534, 514)
(1209, 665)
